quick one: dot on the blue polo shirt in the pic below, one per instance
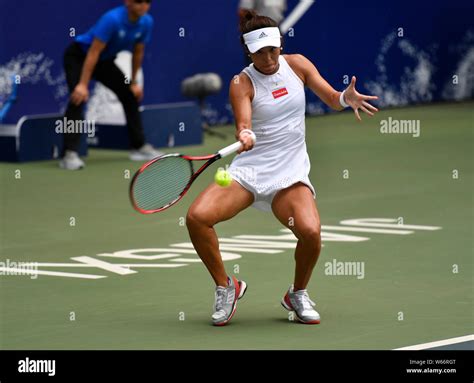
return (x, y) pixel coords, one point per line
(118, 32)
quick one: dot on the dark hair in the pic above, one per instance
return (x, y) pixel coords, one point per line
(250, 21)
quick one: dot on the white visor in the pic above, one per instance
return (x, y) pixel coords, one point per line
(264, 37)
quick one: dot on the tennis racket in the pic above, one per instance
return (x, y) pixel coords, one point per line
(163, 181)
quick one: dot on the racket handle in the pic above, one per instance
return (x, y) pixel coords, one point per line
(234, 147)
(230, 149)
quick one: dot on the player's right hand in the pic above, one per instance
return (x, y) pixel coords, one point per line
(80, 94)
(247, 142)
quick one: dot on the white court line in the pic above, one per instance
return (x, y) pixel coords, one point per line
(127, 265)
(19, 271)
(365, 230)
(438, 343)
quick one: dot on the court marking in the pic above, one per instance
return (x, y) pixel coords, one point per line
(439, 343)
(257, 244)
(35, 273)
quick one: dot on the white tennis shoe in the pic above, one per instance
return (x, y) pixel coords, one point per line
(226, 301)
(302, 305)
(145, 153)
(71, 161)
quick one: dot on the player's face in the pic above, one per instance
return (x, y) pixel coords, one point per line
(266, 59)
(138, 8)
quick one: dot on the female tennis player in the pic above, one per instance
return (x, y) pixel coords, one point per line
(268, 98)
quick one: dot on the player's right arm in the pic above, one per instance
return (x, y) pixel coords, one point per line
(81, 91)
(241, 94)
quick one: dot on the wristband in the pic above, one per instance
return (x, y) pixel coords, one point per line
(245, 131)
(252, 134)
(343, 103)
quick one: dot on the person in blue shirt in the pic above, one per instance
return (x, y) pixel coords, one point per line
(127, 27)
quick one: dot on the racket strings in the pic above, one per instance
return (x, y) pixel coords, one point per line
(161, 183)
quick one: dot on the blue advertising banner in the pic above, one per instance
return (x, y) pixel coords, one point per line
(404, 51)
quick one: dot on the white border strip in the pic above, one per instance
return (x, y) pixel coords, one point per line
(438, 343)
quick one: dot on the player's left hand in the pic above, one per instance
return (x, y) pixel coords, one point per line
(359, 101)
(137, 91)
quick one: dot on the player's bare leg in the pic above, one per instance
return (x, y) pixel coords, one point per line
(296, 209)
(215, 204)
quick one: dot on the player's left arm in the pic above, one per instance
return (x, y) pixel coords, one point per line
(137, 60)
(311, 77)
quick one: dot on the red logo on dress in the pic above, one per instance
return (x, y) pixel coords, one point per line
(279, 92)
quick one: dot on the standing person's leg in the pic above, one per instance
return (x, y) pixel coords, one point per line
(113, 78)
(73, 61)
(296, 209)
(214, 205)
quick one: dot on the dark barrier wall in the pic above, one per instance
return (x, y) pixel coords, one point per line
(404, 51)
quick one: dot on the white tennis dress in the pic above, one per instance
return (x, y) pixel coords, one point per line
(279, 158)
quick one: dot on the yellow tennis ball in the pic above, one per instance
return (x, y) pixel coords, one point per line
(223, 178)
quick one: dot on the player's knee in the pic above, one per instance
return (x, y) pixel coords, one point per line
(197, 217)
(192, 218)
(310, 234)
